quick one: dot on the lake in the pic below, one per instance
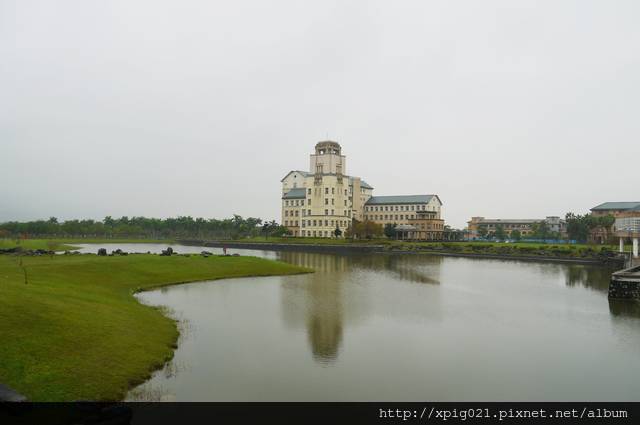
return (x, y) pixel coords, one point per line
(407, 327)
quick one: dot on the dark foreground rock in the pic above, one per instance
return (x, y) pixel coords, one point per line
(7, 394)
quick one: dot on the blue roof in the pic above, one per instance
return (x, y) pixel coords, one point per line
(365, 185)
(401, 199)
(623, 206)
(298, 193)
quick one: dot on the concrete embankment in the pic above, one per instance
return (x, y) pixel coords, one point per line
(625, 284)
(386, 249)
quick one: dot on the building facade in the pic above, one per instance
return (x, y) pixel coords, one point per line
(524, 226)
(417, 217)
(625, 226)
(316, 202)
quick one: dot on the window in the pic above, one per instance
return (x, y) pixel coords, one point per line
(326, 190)
(333, 190)
(308, 212)
(326, 223)
(333, 201)
(326, 212)
(309, 191)
(332, 212)
(286, 213)
(309, 201)
(326, 201)
(296, 213)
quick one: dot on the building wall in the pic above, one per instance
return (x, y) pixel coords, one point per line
(293, 180)
(400, 213)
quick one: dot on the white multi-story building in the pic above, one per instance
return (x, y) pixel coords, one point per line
(314, 203)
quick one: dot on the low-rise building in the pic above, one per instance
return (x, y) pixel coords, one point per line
(525, 226)
(416, 217)
(626, 223)
(617, 209)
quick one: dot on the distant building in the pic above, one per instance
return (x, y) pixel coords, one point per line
(627, 221)
(524, 226)
(316, 202)
(617, 209)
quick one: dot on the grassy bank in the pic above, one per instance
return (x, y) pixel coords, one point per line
(75, 331)
(518, 249)
(67, 244)
(523, 249)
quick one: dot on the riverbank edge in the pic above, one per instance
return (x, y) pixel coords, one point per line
(9, 394)
(382, 249)
(166, 314)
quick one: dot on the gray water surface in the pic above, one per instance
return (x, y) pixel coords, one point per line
(404, 328)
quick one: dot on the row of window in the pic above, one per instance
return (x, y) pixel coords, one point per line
(509, 226)
(398, 208)
(389, 217)
(317, 234)
(318, 190)
(316, 223)
(291, 203)
(433, 226)
(294, 213)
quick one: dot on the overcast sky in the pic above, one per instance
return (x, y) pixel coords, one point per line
(506, 109)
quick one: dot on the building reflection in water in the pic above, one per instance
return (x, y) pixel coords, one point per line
(598, 278)
(322, 303)
(625, 308)
(591, 277)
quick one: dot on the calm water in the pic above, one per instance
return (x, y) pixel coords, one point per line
(400, 327)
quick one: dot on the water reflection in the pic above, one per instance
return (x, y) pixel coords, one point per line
(402, 328)
(624, 308)
(587, 276)
(337, 292)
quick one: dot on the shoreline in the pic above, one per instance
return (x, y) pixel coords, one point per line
(382, 249)
(128, 275)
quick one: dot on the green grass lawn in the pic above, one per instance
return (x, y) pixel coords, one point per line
(68, 244)
(75, 331)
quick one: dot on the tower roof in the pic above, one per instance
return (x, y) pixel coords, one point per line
(328, 146)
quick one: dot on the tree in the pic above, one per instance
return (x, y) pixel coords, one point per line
(390, 230)
(540, 230)
(578, 226)
(500, 234)
(516, 235)
(482, 231)
(337, 232)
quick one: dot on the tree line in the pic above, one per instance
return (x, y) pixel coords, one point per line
(145, 228)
